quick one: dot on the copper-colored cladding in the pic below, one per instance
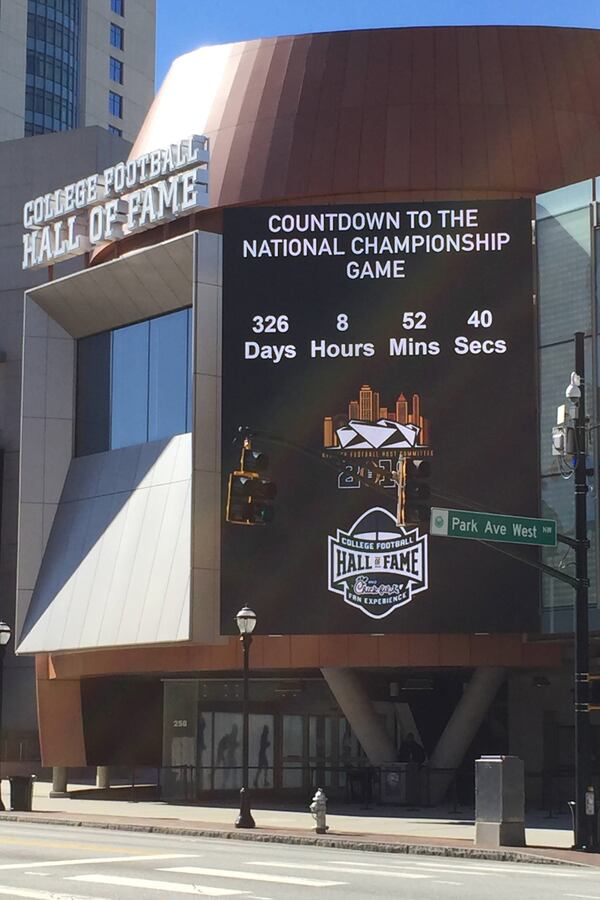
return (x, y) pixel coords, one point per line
(376, 115)
(58, 675)
(410, 113)
(419, 113)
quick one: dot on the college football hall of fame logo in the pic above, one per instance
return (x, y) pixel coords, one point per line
(377, 565)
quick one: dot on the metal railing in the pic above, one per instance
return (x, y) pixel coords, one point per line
(363, 784)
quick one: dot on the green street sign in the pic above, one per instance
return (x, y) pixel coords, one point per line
(477, 526)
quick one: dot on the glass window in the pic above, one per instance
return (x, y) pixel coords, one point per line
(558, 503)
(564, 275)
(114, 130)
(228, 758)
(134, 384)
(556, 365)
(117, 6)
(260, 756)
(204, 751)
(293, 751)
(190, 347)
(93, 393)
(564, 199)
(48, 31)
(115, 105)
(168, 380)
(180, 738)
(129, 385)
(117, 36)
(115, 70)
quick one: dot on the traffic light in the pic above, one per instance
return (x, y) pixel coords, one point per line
(417, 492)
(250, 495)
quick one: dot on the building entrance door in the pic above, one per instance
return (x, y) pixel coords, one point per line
(293, 773)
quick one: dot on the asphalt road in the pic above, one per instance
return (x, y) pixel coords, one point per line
(59, 863)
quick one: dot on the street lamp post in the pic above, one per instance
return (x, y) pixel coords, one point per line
(246, 622)
(5, 635)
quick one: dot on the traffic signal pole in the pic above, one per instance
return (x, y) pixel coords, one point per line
(581, 625)
(399, 476)
(580, 583)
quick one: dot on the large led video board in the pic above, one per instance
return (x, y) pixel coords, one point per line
(352, 334)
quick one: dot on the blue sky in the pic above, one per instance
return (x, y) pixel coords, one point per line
(184, 25)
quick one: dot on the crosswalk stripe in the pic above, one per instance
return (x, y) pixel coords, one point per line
(150, 884)
(347, 870)
(250, 876)
(98, 860)
(525, 869)
(385, 869)
(31, 894)
(464, 868)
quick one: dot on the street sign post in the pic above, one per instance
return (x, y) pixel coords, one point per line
(478, 526)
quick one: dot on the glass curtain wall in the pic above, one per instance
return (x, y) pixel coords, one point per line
(565, 236)
(53, 63)
(293, 749)
(134, 384)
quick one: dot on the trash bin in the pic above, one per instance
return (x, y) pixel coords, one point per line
(21, 792)
(400, 784)
(392, 787)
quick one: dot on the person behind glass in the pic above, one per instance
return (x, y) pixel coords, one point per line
(263, 762)
(410, 751)
(227, 755)
(231, 754)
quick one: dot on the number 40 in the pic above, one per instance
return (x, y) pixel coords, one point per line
(480, 318)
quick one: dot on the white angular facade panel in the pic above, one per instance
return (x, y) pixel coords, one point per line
(116, 568)
(119, 548)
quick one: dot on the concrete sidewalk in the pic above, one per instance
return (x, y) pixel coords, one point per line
(384, 828)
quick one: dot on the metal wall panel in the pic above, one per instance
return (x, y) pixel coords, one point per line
(117, 566)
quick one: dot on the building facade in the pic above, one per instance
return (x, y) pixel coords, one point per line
(27, 166)
(119, 562)
(65, 65)
(69, 64)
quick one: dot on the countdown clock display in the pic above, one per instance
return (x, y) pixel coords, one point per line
(353, 335)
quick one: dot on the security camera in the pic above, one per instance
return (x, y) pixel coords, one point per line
(573, 391)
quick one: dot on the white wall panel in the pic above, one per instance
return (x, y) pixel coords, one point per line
(116, 568)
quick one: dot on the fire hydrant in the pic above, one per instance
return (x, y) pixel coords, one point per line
(318, 808)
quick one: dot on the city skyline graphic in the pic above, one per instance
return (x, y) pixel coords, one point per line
(367, 408)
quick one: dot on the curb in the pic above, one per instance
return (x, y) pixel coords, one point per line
(331, 841)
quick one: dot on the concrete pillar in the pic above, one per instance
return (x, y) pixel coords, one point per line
(102, 777)
(353, 700)
(59, 782)
(463, 726)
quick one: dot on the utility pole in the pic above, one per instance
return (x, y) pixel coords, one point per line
(5, 635)
(581, 629)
